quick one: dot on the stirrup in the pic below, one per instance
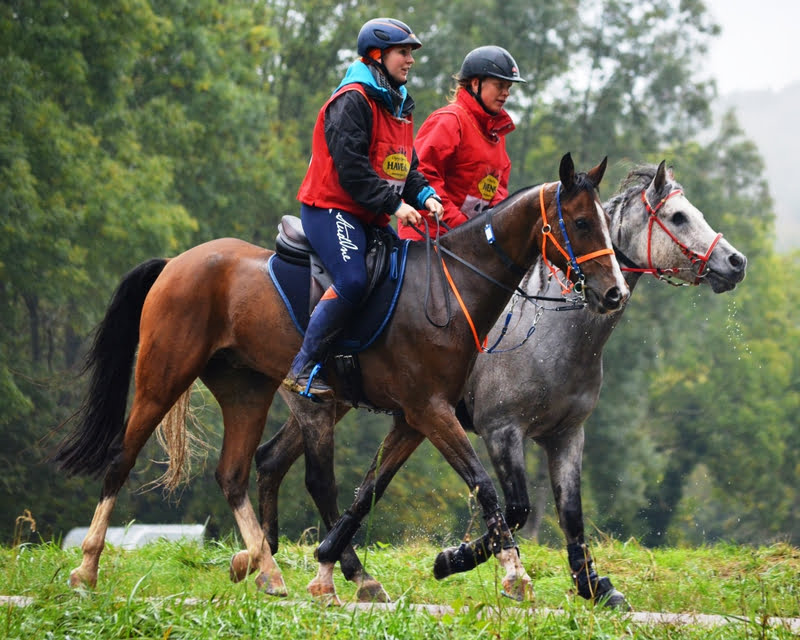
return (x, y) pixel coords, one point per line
(310, 388)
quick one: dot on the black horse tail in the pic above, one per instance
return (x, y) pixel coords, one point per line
(101, 419)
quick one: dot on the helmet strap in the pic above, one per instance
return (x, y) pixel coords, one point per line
(477, 95)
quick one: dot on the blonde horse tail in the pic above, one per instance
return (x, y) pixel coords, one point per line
(179, 443)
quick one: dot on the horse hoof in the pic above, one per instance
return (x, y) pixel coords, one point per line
(519, 589)
(372, 591)
(272, 585)
(241, 566)
(607, 596)
(78, 579)
(442, 565)
(614, 600)
(324, 594)
(453, 560)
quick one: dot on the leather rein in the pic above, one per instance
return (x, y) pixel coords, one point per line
(566, 251)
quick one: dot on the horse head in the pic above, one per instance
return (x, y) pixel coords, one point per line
(576, 240)
(671, 239)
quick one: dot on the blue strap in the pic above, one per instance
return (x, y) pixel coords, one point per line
(306, 393)
(575, 266)
(488, 231)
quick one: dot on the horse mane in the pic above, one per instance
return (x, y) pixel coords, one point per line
(478, 220)
(637, 179)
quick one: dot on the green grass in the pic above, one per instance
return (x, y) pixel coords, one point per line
(182, 590)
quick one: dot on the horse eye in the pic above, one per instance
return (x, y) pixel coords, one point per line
(581, 224)
(679, 218)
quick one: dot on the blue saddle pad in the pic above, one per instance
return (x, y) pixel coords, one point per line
(293, 282)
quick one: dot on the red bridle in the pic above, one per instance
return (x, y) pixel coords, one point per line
(699, 260)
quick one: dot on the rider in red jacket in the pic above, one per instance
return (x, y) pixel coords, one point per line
(461, 147)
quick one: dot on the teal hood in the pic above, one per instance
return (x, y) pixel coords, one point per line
(362, 74)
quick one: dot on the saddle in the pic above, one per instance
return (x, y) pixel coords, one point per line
(292, 245)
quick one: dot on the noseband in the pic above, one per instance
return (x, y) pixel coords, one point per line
(699, 260)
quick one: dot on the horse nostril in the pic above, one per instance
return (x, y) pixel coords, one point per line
(613, 298)
(737, 261)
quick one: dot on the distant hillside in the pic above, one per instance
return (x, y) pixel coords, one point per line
(770, 119)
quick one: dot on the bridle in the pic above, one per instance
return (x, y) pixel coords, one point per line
(699, 260)
(569, 254)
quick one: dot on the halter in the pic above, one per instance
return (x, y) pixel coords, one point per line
(699, 260)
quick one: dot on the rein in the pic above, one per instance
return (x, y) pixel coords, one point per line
(699, 260)
(568, 253)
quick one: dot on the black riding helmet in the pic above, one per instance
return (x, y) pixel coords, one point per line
(490, 61)
(484, 62)
(380, 34)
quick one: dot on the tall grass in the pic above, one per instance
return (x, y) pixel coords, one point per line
(181, 590)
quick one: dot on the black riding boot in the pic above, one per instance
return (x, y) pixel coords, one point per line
(327, 321)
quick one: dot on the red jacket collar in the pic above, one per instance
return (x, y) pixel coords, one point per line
(492, 126)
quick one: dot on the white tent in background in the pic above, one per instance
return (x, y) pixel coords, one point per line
(138, 535)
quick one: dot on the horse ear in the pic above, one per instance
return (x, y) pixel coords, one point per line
(661, 177)
(671, 173)
(567, 172)
(595, 174)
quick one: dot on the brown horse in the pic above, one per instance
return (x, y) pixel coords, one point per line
(213, 313)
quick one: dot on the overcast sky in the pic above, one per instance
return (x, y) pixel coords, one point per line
(760, 44)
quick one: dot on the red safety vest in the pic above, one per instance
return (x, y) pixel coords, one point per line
(390, 153)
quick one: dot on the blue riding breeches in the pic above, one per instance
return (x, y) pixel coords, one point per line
(340, 240)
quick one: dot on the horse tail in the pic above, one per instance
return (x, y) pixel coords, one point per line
(101, 419)
(180, 444)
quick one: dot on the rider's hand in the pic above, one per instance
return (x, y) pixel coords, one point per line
(407, 214)
(434, 205)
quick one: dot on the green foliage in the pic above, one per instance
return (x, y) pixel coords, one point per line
(141, 129)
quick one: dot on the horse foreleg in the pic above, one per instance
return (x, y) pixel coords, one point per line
(505, 447)
(395, 449)
(564, 456)
(446, 434)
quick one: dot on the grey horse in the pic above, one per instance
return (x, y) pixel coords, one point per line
(655, 229)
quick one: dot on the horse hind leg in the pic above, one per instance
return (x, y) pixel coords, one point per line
(244, 397)
(395, 449)
(317, 425)
(321, 485)
(274, 458)
(146, 413)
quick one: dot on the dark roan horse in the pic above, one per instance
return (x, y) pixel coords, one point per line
(557, 376)
(213, 313)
